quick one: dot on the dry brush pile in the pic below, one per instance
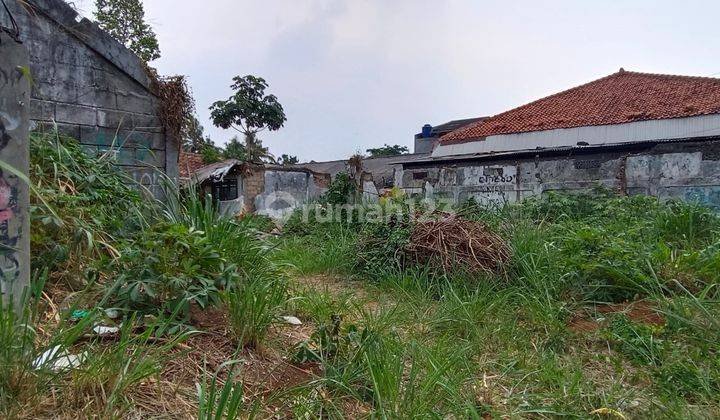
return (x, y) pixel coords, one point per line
(444, 244)
(452, 242)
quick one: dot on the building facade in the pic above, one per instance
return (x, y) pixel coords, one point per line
(636, 133)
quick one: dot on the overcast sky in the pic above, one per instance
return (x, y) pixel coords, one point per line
(353, 74)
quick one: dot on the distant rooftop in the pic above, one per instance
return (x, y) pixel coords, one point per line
(621, 97)
(442, 129)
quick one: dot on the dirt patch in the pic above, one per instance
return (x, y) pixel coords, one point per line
(338, 287)
(263, 371)
(642, 312)
(590, 319)
(334, 285)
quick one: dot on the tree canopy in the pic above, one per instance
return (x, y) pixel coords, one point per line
(249, 110)
(125, 21)
(286, 159)
(387, 150)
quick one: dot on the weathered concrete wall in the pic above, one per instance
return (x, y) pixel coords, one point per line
(94, 89)
(14, 190)
(271, 192)
(682, 170)
(283, 192)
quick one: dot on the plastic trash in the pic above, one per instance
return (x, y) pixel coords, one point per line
(57, 359)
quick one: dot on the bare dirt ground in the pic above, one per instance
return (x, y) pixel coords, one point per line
(590, 319)
(264, 371)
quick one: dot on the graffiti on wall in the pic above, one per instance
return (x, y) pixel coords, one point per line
(491, 184)
(9, 232)
(14, 226)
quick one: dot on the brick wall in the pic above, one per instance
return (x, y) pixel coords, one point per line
(253, 180)
(94, 89)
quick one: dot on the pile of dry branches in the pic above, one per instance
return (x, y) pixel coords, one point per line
(176, 104)
(455, 242)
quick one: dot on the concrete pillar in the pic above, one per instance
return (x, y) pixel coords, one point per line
(14, 155)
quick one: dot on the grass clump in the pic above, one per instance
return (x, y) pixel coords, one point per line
(253, 306)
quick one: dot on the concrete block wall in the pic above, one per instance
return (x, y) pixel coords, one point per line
(95, 90)
(683, 170)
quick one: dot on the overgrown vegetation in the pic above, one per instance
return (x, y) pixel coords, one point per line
(117, 275)
(602, 306)
(607, 307)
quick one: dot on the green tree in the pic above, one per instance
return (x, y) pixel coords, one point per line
(193, 135)
(125, 21)
(210, 153)
(286, 159)
(249, 110)
(387, 150)
(235, 149)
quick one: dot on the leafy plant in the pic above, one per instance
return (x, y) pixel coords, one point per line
(84, 223)
(341, 189)
(170, 266)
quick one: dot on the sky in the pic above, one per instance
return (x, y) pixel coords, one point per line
(355, 74)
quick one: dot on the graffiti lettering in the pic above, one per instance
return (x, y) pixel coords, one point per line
(9, 264)
(492, 189)
(587, 164)
(147, 178)
(496, 179)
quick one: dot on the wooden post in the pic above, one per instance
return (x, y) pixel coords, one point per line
(14, 155)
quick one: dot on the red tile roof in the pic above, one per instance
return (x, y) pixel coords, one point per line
(618, 98)
(189, 163)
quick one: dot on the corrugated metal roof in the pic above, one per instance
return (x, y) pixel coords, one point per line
(559, 149)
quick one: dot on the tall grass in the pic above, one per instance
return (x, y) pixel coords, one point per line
(330, 249)
(222, 400)
(108, 374)
(106, 237)
(253, 306)
(17, 351)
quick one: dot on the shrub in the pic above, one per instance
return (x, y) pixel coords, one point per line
(340, 190)
(169, 266)
(380, 246)
(257, 222)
